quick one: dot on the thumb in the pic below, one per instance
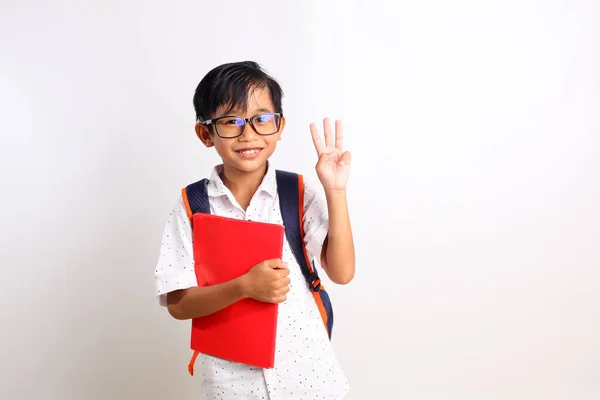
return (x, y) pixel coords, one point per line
(346, 158)
(276, 263)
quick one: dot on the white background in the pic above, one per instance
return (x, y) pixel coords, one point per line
(475, 191)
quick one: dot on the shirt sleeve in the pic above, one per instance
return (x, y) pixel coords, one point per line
(175, 266)
(316, 221)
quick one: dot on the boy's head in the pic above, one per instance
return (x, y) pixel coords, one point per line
(238, 111)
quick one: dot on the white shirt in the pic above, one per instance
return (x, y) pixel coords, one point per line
(305, 364)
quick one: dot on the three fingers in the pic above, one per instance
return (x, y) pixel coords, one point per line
(331, 141)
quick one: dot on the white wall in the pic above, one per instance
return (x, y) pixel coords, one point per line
(475, 192)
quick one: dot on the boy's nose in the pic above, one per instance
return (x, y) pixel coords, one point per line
(249, 132)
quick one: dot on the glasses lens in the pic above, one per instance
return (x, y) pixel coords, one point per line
(266, 124)
(230, 126)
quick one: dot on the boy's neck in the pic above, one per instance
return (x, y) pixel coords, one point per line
(243, 184)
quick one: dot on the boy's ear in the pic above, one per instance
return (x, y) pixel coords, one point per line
(281, 126)
(203, 133)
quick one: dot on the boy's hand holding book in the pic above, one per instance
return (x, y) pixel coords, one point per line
(267, 282)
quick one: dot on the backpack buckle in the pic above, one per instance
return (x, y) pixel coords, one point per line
(314, 283)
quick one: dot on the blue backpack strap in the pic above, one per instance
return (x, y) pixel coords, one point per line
(195, 198)
(290, 188)
(289, 200)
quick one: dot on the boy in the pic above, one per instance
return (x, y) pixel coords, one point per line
(239, 113)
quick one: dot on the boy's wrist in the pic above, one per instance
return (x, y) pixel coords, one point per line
(335, 198)
(241, 287)
(334, 194)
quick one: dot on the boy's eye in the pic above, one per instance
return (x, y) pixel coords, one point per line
(232, 121)
(265, 118)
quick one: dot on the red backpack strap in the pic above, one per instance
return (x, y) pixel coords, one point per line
(290, 188)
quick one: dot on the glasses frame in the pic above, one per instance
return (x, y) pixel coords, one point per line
(213, 122)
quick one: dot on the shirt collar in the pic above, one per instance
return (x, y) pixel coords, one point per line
(217, 188)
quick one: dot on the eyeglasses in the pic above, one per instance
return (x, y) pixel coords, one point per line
(229, 127)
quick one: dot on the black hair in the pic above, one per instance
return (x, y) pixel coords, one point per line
(228, 85)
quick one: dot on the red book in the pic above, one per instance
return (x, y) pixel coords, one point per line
(224, 249)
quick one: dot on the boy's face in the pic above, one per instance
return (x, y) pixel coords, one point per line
(250, 151)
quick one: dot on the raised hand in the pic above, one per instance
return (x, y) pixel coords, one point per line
(333, 167)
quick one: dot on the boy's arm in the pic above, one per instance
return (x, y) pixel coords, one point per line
(198, 302)
(337, 256)
(333, 170)
(267, 282)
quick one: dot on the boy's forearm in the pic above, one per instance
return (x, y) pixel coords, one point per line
(201, 301)
(339, 247)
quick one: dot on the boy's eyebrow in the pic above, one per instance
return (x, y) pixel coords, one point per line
(264, 110)
(238, 112)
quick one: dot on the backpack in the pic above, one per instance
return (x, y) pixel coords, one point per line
(290, 189)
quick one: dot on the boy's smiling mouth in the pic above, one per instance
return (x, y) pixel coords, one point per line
(250, 152)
